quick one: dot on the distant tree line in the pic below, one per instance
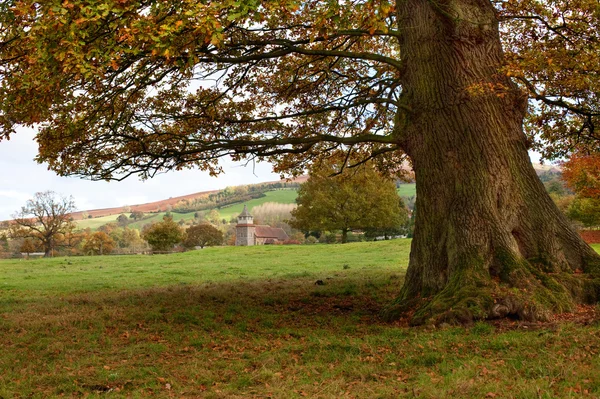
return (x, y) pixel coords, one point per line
(229, 196)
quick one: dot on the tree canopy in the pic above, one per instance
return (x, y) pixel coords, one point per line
(203, 235)
(355, 199)
(98, 243)
(582, 174)
(125, 87)
(163, 236)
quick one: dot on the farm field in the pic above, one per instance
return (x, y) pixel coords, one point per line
(283, 196)
(94, 223)
(243, 322)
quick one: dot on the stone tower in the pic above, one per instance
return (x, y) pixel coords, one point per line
(244, 230)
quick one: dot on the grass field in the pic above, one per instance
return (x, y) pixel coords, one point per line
(407, 190)
(287, 196)
(249, 322)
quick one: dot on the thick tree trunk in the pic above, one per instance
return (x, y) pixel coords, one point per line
(488, 241)
(344, 236)
(47, 247)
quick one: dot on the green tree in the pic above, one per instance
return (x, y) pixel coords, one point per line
(47, 218)
(403, 229)
(163, 236)
(4, 242)
(122, 220)
(359, 198)
(136, 215)
(585, 210)
(113, 86)
(203, 235)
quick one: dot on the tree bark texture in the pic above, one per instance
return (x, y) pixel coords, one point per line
(488, 241)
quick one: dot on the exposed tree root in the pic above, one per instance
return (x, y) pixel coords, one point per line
(521, 291)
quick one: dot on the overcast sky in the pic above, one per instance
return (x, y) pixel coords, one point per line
(21, 177)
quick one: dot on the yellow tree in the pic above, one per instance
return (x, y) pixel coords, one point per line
(113, 86)
(98, 243)
(27, 247)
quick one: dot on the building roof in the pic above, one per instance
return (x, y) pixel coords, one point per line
(245, 212)
(270, 232)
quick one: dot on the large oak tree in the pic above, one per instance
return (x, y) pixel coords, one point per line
(45, 218)
(122, 87)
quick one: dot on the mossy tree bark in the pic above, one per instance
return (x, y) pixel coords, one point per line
(488, 242)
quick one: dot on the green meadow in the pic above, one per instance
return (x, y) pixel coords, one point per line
(407, 190)
(252, 322)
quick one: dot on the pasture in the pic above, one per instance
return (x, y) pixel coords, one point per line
(282, 196)
(243, 322)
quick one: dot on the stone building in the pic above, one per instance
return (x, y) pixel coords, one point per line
(247, 233)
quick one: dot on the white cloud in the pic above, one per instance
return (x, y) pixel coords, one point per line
(12, 194)
(21, 177)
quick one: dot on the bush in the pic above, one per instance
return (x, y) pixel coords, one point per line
(330, 238)
(311, 240)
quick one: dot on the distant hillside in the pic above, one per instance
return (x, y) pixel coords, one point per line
(282, 196)
(159, 206)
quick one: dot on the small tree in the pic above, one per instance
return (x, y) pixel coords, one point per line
(162, 236)
(355, 199)
(131, 239)
(203, 235)
(47, 218)
(3, 242)
(136, 215)
(99, 243)
(122, 220)
(108, 228)
(27, 247)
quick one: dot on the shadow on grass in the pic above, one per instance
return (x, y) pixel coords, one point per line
(279, 338)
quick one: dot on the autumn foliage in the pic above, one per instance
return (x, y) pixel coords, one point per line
(582, 174)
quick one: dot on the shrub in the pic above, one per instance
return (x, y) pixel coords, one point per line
(311, 240)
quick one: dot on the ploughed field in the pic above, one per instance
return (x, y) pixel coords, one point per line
(253, 322)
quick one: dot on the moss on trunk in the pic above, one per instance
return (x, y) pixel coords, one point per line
(488, 241)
